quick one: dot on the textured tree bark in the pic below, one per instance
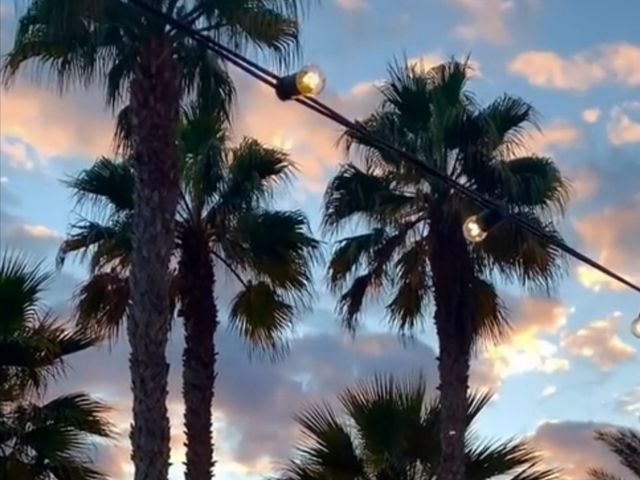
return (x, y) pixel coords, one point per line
(451, 269)
(197, 283)
(154, 100)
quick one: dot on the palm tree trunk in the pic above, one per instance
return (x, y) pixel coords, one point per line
(197, 281)
(154, 100)
(451, 269)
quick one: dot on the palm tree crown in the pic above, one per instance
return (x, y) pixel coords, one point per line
(224, 198)
(390, 429)
(413, 248)
(432, 115)
(41, 440)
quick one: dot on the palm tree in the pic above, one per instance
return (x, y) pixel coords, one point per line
(222, 221)
(389, 429)
(413, 247)
(625, 443)
(134, 54)
(41, 440)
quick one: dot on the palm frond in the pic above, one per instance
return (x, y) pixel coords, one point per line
(625, 444)
(262, 316)
(21, 285)
(328, 446)
(275, 246)
(101, 304)
(521, 256)
(490, 313)
(357, 194)
(107, 184)
(534, 182)
(601, 474)
(253, 172)
(412, 288)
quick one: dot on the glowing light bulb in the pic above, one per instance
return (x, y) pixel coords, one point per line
(477, 227)
(307, 82)
(472, 230)
(310, 81)
(635, 327)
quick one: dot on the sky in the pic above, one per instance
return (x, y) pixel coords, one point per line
(570, 365)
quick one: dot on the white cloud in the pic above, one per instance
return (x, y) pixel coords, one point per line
(629, 402)
(622, 128)
(352, 5)
(599, 343)
(549, 391)
(486, 20)
(614, 63)
(591, 115)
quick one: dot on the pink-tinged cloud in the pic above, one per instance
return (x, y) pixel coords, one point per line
(585, 184)
(591, 115)
(613, 63)
(484, 20)
(527, 348)
(571, 446)
(599, 343)
(352, 5)
(311, 139)
(624, 124)
(53, 125)
(254, 401)
(557, 135)
(612, 236)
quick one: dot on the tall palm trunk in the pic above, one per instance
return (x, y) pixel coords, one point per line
(452, 271)
(154, 99)
(197, 282)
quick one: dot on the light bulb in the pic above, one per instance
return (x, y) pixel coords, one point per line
(477, 227)
(310, 81)
(635, 327)
(472, 230)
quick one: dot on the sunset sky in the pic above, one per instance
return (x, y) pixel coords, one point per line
(570, 365)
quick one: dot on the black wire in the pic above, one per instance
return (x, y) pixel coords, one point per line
(270, 78)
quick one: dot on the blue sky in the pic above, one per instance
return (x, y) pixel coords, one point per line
(571, 364)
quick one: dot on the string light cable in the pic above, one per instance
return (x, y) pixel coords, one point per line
(309, 82)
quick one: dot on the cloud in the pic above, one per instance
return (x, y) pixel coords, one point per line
(485, 20)
(612, 234)
(526, 349)
(38, 241)
(585, 184)
(559, 134)
(549, 391)
(622, 129)
(571, 446)
(254, 401)
(591, 115)
(425, 62)
(79, 129)
(613, 63)
(311, 139)
(352, 5)
(599, 343)
(629, 402)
